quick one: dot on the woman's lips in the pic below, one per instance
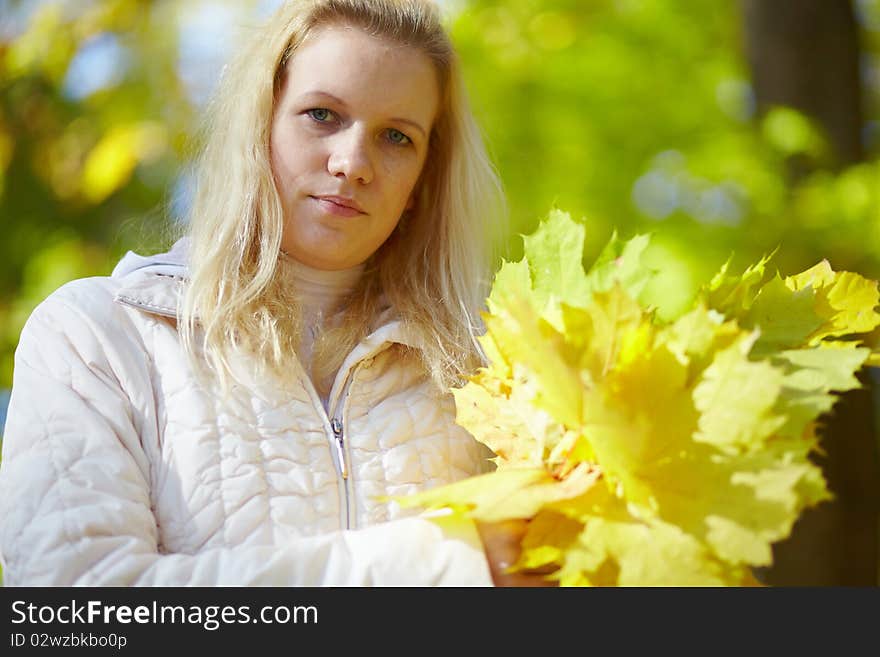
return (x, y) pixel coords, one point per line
(331, 207)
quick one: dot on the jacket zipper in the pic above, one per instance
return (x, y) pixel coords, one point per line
(336, 427)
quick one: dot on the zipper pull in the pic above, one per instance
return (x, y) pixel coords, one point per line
(336, 425)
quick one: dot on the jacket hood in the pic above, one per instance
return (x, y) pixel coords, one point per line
(172, 263)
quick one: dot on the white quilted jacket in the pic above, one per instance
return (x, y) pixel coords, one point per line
(119, 469)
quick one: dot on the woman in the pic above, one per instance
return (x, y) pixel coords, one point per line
(238, 410)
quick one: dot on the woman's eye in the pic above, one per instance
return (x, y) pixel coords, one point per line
(397, 137)
(320, 114)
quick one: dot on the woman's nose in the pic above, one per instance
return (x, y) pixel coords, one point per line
(350, 157)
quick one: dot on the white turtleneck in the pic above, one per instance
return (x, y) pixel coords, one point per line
(318, 292)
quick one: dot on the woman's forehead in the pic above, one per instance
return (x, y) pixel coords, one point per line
(357, 68)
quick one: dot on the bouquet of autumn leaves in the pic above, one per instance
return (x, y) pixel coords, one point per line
(647, 452)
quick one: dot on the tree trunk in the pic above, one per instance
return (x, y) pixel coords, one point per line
(836, 543)
(805, 54)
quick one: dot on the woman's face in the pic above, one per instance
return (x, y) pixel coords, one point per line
(349, 140)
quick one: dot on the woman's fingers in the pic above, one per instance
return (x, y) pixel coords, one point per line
(502, 543)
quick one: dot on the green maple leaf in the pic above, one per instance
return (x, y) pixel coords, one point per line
(736, 399)
(620, 263)
(554, 255)
(733, 295)
(785, 317)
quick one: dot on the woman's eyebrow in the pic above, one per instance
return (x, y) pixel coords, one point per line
(415, 125)
(324, 94)
(343, 104)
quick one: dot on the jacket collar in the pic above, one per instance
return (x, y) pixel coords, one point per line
(152, 293)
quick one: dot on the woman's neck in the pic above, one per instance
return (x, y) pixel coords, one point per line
(319, 291)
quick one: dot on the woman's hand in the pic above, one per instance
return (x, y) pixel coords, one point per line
(501, 541)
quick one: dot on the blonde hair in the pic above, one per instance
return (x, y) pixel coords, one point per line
(433, 271)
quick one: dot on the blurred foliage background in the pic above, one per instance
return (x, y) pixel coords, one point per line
(728, 128)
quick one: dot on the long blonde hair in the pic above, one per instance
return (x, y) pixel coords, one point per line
(433, 271)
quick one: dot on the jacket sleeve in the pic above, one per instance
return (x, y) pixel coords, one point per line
(75, 498)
